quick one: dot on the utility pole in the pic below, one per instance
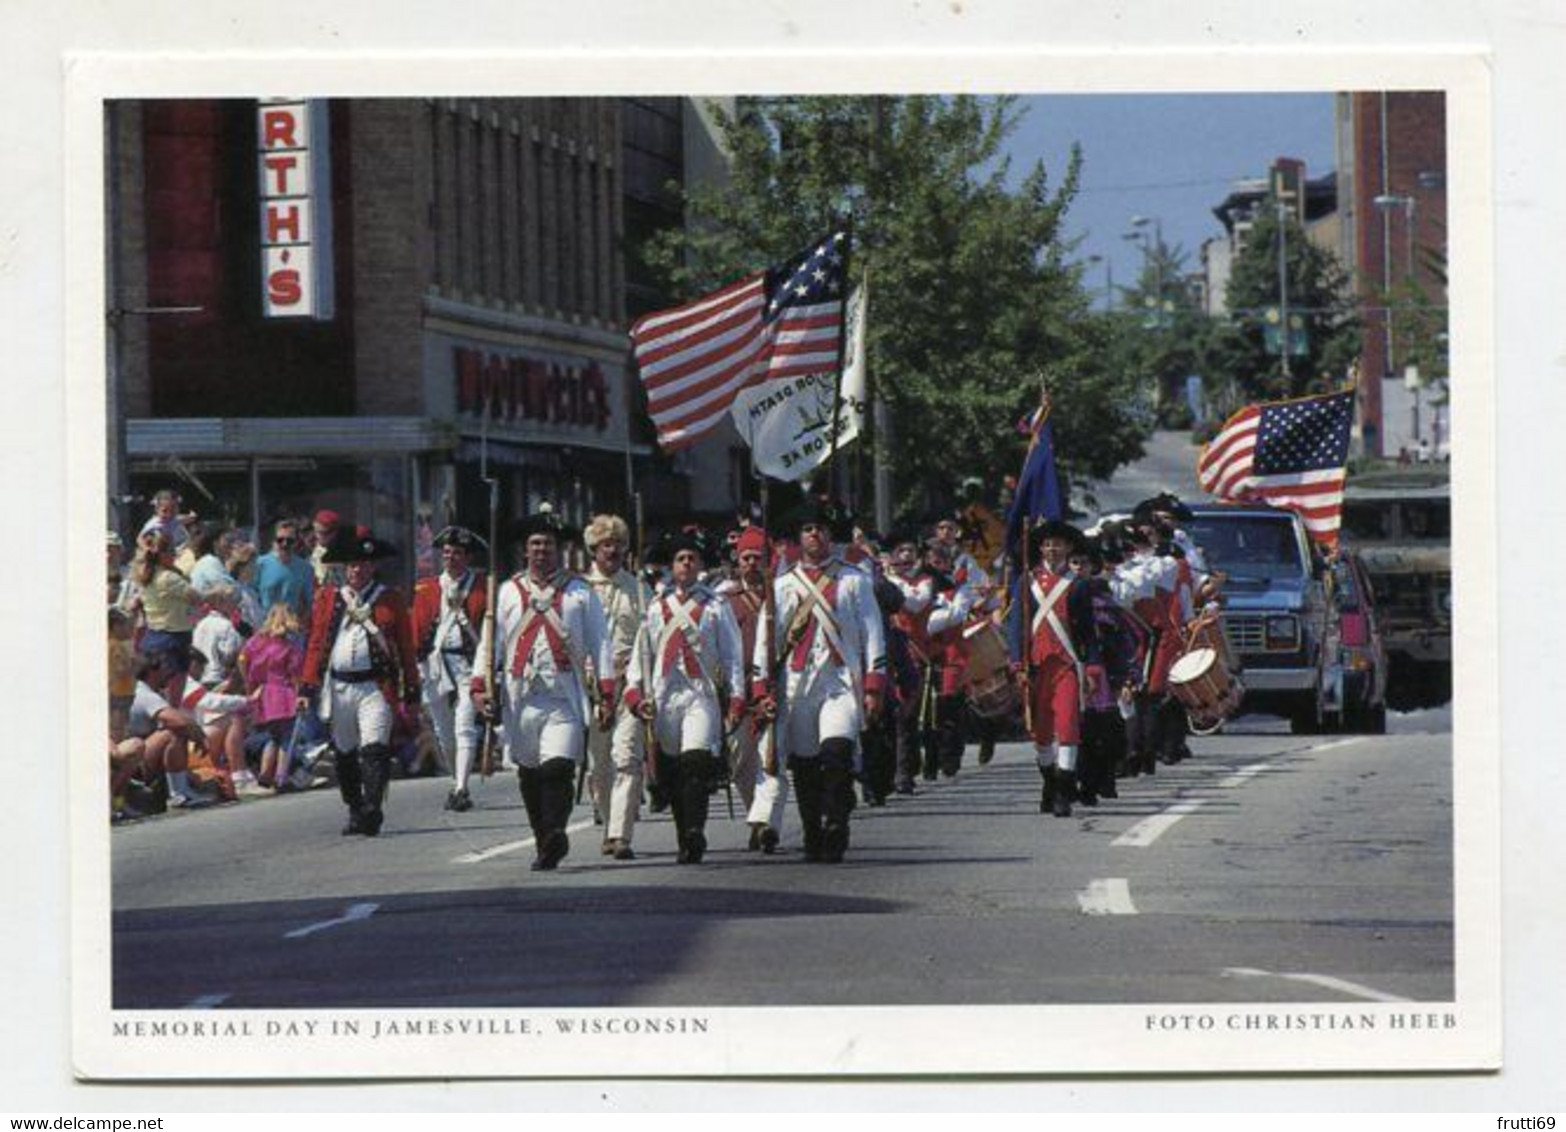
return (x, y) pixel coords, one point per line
(881, 413)
(1283, 290)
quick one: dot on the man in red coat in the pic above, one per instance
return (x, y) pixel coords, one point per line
(360, 660)
(448, 611)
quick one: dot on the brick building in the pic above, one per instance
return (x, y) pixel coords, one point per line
(1392, 173)
(472, 252)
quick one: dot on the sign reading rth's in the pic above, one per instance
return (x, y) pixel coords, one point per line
(296, 208)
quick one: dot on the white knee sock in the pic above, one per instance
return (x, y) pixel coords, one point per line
(1043, 755)
(1066, 757)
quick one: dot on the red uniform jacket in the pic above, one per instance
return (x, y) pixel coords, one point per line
(426, 611)
(391, 616)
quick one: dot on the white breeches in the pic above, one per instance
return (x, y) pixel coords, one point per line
(688, 719)
(828, 709)
(543, 724)
(454, 721)
(359, 715)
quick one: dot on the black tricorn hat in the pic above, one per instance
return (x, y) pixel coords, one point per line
(461, 537)
(904, 536)
(671, 543)
(361, 546)
(1167, 502)
(545, 521)
(822, 513)
(1054, 528)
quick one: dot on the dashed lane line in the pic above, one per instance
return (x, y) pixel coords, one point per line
(352, 914)
(1331, 982)
(1108, 897)
(1150, 829)
(510, 847)
(208, 1001)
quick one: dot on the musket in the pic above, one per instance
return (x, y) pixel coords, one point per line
(1026, 633)
(767, 744)
(488, 645)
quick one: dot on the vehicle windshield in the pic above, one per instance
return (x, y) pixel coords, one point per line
(1261, 547)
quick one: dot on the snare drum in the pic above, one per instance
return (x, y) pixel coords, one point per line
(1202, 684)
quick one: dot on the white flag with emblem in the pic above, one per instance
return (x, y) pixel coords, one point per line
(788, 422)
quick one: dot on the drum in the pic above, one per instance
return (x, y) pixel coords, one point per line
(1206, 632)
(992, 693)
(1202, 684)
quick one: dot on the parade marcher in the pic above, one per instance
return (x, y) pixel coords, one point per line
(913, 694)
(984, 599)
(687, 677)
(762, 786)
(1147, 581)
(1106, 710)
(551, 636)
(1055, 644)
(616, 753)
(447, 613)
(879, 739)
(944, 717)
(325, 528)
(833, 676)
(360, 659)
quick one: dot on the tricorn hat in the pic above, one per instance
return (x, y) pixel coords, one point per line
(816, 511)
(671, 543)
(361, 546)
(545, 521)
(462, 538)
(1167, 502)
(1054, 528)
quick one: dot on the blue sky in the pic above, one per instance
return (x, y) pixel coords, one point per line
(1172, 157)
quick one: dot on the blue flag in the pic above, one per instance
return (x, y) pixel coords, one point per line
(1038, 493)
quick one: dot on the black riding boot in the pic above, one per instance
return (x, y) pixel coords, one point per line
(375, 768)
(1065, 787)
(694, 797)
(350, 784)
(556, 796)
(807, 794)
(1047, 794)
(837, 797)
(949, 744)
(907, 754)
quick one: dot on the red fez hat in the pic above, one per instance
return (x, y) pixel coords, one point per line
(751, 538)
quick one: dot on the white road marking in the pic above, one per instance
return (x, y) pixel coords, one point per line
(1244, 775)
(353, 913)
(1149, 830)
(1111, 897)
(208, 1001)
(510, 847)
(1329, 981)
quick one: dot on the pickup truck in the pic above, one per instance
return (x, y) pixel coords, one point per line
(1276, 613)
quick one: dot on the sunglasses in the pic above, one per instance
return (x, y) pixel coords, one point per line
(287, 542)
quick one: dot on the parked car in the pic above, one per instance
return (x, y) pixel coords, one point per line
(1359, 671)
(1400, 525)
(1276, 614)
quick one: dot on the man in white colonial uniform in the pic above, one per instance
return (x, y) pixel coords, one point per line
(552, 638)
(615, 754)
(832, 677)
(687, 662)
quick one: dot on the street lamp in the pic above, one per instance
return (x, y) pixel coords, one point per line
(1140, 225)
(1109, 278)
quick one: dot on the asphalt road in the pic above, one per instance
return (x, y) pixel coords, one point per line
(1267, 868)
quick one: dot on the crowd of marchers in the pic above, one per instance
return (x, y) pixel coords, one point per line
(814, 661)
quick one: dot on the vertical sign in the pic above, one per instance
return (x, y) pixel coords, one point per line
(296, 208)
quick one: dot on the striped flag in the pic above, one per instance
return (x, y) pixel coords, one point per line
(1290, 454)
(779, 323)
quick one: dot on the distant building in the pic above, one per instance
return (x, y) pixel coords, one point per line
(1313, 203)
(1392, 165)
(472, 270)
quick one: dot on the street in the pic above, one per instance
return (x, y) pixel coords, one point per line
(1269, 868)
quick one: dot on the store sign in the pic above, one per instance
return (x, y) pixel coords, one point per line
(518, 388)
(296, 208)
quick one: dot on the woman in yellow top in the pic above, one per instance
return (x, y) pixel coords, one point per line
(165, 597)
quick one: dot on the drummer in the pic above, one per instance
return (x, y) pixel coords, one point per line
(943, 732)
(1057, 653)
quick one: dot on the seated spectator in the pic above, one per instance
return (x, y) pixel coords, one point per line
(283, 575)
(114, 552)
(122, 671)
(224, 721)
(270, 663)
(164, 598)
(218, 639)
(158, 739)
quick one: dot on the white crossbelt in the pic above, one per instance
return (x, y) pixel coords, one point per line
(539, 604)
(821, 612)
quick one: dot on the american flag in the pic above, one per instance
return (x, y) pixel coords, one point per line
(784, 322)
(1290, 454)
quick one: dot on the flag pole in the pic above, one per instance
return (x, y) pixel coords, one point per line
(842, 355)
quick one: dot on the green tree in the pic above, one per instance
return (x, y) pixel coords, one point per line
(1163, 334)
(973, 302)
(1326, 326)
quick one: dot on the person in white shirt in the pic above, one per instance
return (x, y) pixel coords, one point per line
(551, 637)
(833, 675)
(216, 638)
(687, 678)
